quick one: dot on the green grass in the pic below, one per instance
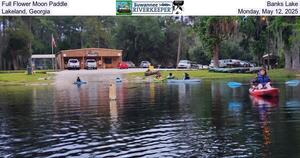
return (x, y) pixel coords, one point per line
(278, 74)
(23, 71)
(21, 78)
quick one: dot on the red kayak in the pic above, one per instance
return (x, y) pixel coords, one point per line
(270, 92)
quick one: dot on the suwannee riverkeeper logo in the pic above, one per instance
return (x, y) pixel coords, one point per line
(135, 7)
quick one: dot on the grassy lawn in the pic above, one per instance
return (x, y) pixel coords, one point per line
(21, 78)
(23, 71)
(277, 74)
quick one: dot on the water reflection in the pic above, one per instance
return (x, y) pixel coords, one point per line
(113, 109)
(147, 120)
(293, 104)
(184, 93)
(235, 106)
(264, 101)
(292, 95)
(264, 106)
(217, 91)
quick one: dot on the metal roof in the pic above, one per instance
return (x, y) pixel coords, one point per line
(42, 56)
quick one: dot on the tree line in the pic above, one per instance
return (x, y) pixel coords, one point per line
(161, 40)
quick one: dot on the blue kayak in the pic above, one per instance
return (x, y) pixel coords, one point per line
(184, 81)
(80, 82)
(118, 80)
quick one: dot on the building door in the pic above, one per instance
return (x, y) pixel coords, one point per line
(108, 62)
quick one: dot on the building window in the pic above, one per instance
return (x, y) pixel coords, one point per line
(108, 61)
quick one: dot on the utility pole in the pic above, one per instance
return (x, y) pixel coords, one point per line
(53, 44)
(178, 49)
(98, 43)
(30, 46)
(179, 41)
(53, 64)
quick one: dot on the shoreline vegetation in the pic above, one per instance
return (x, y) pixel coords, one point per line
(20, 77)
(275, 74)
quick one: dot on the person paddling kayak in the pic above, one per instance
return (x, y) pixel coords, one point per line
(78, 79)
(186, 76)
(170, 76)
(262, 81)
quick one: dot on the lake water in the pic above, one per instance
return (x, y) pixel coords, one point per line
(148, 120)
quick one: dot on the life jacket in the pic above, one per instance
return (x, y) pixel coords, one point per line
(263, 79)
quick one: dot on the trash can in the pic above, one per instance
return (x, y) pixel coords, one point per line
(29, 70)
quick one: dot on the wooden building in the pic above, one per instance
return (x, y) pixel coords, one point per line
(105, 58)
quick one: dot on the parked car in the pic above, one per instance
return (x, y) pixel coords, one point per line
(204, 66)
(165, 66)
(200, 66)
(90, 64)
(123, 65)
(184, 64)
(130, 64)
(245, 64)
(73, 64)
(145, 64)
(195, 66)
(170, 66)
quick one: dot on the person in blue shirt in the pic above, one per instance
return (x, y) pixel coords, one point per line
(262, 81)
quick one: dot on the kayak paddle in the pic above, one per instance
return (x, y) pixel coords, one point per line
(292, 83)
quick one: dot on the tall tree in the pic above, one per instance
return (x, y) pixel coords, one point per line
(140, 37)
(213, 30)
(18, 46)
(286, 31)
(95, 34)
(255, 36)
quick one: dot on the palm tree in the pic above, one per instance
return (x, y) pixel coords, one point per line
(213, 30)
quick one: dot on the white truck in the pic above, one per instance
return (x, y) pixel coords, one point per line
(90, 64)
(184, 64)
(73, 64)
